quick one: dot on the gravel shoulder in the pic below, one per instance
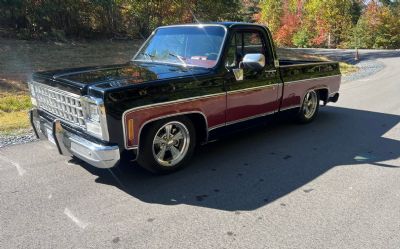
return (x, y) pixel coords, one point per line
(366, 69)
(22, 138)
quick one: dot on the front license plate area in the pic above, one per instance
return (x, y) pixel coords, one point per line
(50, 136)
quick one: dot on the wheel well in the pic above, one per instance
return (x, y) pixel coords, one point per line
(323, 95)
(198, 120)
(200, 125)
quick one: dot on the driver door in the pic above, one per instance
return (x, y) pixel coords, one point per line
(257, 94)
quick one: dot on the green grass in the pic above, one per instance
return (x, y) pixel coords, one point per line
(13, 112)
(346, 68)
(14, 103)
(13, 122)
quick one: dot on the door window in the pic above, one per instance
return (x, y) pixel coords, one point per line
(242, 43)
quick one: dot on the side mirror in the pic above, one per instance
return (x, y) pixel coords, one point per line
(254, 61)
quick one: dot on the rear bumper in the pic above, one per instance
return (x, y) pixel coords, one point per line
(68, 143)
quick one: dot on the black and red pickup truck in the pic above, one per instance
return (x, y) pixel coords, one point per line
(185, 85)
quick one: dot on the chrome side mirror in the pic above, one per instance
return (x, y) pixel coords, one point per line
(254, 61)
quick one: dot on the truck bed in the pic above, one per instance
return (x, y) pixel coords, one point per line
(287, 62)
(292, 70)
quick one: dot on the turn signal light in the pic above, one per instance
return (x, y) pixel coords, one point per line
(131, 132)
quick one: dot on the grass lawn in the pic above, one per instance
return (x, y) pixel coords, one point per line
(18, 59)
(13, 112)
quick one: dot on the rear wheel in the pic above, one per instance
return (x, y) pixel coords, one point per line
(167, 145)
(309, 109)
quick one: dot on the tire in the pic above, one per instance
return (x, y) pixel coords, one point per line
(162, 155)
(309, 109)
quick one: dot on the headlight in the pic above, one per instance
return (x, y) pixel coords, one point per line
(95, 117)
(93, 113)
(33, 94)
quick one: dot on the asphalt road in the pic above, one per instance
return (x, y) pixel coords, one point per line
(334, 183)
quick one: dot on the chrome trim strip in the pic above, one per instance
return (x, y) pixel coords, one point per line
(254, 88)
(241, 120)
(289, 107)
(173, 102)
(186, 25)
(217, 127)
(250, 118)
(296, 81)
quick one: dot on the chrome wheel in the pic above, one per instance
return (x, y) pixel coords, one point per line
(171, 143)
(310, 104)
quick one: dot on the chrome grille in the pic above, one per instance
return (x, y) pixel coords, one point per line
(60, 103)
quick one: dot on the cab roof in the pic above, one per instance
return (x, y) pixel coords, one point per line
(226, 24)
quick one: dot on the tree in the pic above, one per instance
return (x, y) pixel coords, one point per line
(290, 22)
(109, 18)
(329, 21)
(378, 26)
(250, 10)
(270, 14)
(301, 38)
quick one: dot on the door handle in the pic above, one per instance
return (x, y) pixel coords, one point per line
(270, 73)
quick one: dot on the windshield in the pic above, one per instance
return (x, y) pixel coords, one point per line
(186, 45)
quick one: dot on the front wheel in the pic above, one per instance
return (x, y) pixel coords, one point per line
(309, 109)
(167, 145)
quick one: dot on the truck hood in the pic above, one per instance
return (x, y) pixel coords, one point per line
(119, 75)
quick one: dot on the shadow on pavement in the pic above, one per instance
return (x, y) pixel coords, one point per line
(254, 168)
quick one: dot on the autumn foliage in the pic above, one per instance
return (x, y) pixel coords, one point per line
(332, 23)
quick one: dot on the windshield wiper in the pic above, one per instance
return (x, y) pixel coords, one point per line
(179, 58)
(148, 55)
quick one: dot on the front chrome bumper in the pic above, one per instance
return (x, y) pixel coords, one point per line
(68, 144)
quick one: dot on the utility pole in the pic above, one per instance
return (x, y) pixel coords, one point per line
(329, 40)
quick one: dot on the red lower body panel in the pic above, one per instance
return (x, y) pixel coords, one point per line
(213, 109)
(294, 92)
(242, 105)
